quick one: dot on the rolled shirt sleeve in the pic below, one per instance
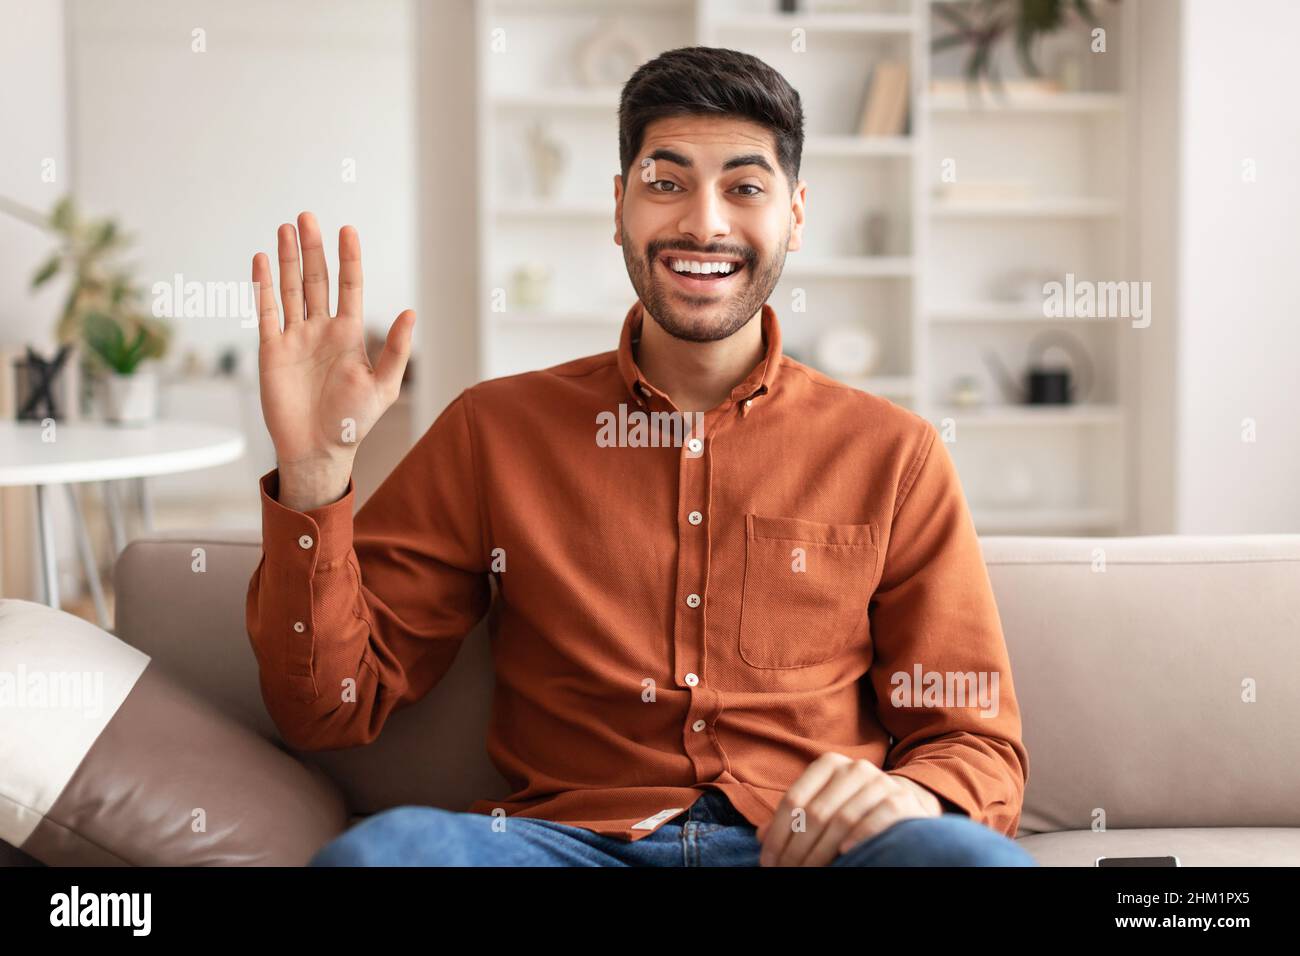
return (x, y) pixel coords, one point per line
(939, 646)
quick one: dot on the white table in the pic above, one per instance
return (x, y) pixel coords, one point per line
(69, 453)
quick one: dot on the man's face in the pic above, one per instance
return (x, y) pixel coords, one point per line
(706, 190)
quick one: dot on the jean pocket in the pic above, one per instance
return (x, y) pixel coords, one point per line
(806, 587)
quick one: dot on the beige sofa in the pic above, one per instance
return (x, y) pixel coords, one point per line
(1159, 680)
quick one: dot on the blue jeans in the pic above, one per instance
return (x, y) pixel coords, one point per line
(711, 833)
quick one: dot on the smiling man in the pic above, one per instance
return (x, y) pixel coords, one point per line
(701, 640)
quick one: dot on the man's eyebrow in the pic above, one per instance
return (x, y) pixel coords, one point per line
(752, 159)
(749, 159)
(671, 156)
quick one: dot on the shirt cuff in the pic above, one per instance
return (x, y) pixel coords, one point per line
(323, 534)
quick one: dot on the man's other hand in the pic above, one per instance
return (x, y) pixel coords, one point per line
(837, 803)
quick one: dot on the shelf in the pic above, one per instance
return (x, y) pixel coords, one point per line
(1006, 415)
(994, 311)
(1023, 103)
(1039, 208)
(992, 519)
(849, 267)
(843, 23)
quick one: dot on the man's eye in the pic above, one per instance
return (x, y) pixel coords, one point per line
(757, 189)
(662, 182)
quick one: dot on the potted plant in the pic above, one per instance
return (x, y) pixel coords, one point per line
(130, 395)
(102, 313)
(981, 24)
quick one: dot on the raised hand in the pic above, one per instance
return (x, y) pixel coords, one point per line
(320, 395)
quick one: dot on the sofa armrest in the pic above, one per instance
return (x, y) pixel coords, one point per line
(118, 764)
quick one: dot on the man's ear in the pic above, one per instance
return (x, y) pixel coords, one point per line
(797, 200)
(618, 209)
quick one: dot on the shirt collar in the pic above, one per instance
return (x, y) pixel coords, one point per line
(758, 382)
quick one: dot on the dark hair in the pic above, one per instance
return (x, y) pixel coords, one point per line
(711, 80)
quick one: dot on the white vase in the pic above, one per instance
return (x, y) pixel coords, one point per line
(131, 399)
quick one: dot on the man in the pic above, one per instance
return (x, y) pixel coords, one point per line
(710, 625)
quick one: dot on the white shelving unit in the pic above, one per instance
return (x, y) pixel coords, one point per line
(1030, 469)
(931, 301)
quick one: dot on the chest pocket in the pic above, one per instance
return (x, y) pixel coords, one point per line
(806, 589)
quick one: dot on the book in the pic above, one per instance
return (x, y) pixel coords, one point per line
(885, 110)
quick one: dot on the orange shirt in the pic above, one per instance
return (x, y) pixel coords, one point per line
(713, 610)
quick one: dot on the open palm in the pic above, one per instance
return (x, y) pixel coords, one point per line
(320, 395)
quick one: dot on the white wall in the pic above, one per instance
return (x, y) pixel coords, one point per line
(203, 155)
(1239, 342)
(33, 130)
(204, 125)
(33, 133)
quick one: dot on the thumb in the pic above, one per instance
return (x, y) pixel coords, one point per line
(397, 349)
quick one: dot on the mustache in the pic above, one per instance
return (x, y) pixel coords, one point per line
(655, 249)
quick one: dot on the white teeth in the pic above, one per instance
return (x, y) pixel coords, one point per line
(701, 268)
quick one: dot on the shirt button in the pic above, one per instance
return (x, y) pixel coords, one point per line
(693, 600)
(691, 679)
(694, 445)
(695, 517)
(748, 402)
(305, 541)
(698, 726)
(299, 627)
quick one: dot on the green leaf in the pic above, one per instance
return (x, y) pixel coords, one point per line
(134, 352)
(979, 62)
(46, 272)
(1041, 16)
(1025, 53)
(64, 215)
(1084, 9)
(102, 235)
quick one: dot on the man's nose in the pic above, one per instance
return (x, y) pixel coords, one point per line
(705, 218)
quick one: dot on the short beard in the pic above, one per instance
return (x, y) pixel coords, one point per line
(742, 307)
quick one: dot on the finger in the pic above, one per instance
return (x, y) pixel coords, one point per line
(268, 316)
(290, 274)
(876, 821)
(315, 273)
(856, 804)
(349, 272)
(800, 793)
(397, 348)
(826, 822)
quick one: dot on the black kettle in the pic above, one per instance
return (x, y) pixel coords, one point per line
(1046, 384)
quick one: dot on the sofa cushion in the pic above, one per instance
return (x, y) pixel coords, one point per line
(106, 760)
(1158, 678)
